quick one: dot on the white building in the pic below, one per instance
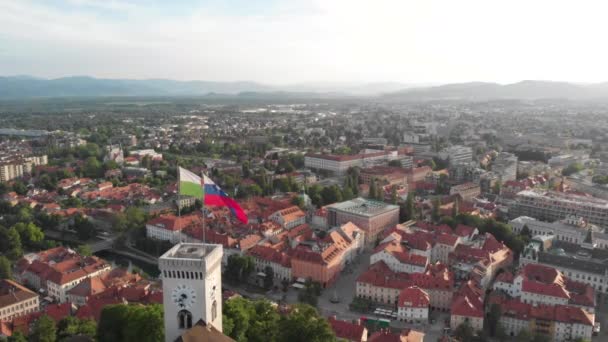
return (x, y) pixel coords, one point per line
(16, 300)
(505, 165)
(572, 229)
(278, 261)
(398, 258)
(192, 287)
(457, 154)
(413, 305)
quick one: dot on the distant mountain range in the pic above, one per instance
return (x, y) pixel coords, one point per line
(519, 90)
(84, 86)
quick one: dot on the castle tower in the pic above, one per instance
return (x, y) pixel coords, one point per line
(192, 286)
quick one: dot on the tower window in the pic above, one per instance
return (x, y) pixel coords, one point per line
(213, 310)
(184, 319)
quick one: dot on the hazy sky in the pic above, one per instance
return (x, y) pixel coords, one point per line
(294, 41)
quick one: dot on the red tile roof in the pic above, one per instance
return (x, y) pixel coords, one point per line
(468, 301)
(413, 297)
(346, 330)
(174, 223)
(270, 254)
(435, 277)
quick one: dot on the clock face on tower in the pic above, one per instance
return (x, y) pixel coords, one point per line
(183, 296)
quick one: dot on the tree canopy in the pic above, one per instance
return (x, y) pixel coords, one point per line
(129, 323)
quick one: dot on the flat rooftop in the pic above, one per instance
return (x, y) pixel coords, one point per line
(565, 197)
(194, 251)
(363, 207)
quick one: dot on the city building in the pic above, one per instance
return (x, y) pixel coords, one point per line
(289, 218)
(339, 164)
(347, 331)
(58, 270)
(457, 155)
(399, 258)
(16, 300)
(557, 322)
(114, 153)
(571, 229)
(15, 166)
(381, 285)
(384, 175)
(582, 263)
(540, 284)
(467, 306)
(169, 227)
(372, 217)
(553, 206)
(153, 155)
(266, 256)
(413, 305)
(505, 165)
(480, 260)
(467, 191)
(192, 287)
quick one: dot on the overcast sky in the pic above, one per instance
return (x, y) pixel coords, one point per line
(282, 42)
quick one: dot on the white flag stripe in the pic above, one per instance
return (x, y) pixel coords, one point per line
(207, 180)
(188, 176)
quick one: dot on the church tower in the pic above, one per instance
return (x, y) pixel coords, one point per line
(192, 287)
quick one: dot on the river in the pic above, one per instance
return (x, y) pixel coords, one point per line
(151, 270)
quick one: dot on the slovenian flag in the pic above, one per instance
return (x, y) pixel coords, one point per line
(192, 185)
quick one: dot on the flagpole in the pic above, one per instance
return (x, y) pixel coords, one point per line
(203, 206)
(178, 201)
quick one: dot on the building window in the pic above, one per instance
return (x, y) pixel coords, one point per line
(213, 310)
(184, 319)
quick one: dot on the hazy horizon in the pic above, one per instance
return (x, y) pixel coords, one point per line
(293, 42)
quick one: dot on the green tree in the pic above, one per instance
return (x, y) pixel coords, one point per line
(14, 242)
(347, 194)
(29, 233)
(435, 215)
(572, 169)
(331, 194)
(494, 319)
(456, 208)
(246, 170)
(299, 201)
(84, 228)
(239, 267)
(19, 187)
(131, 323)
(110, 165)
(43, 330)
(304, 324)
(92, 167)
(310, 293)
(497, 187)
(394, 194)
(395, 163)
(464, 332)
(269, 278)
(6, 270)
(239, 312)
(84, 250)
(407, 210)
(372, 189)
(17, 336)
(265, 325)
(72, 326)
(524, 336)
(45, 181)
